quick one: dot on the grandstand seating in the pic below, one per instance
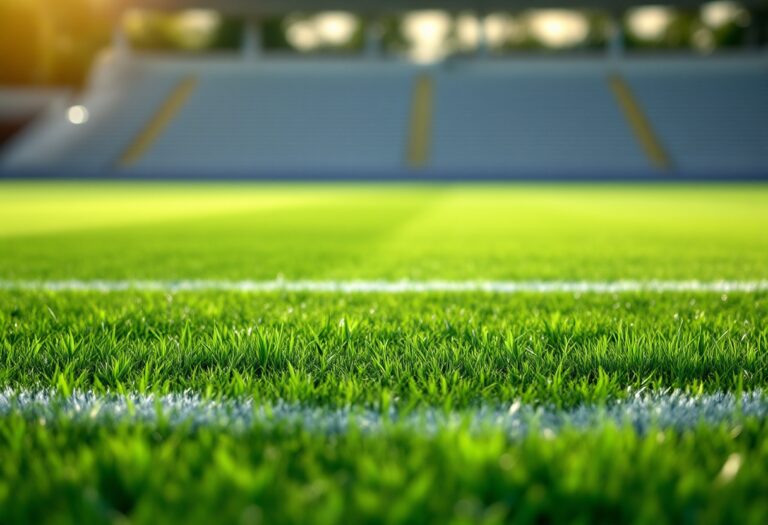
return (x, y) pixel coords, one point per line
(712, 116)
(120, 102)
(514, 117)
(287, 118)
(120, 123)
(557, 117)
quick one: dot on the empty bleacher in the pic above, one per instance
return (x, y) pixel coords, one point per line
(358, 117)
(554, 117)
(712, 115)
(289, 118)
(120, 101)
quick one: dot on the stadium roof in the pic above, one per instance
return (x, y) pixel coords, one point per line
(374, 6)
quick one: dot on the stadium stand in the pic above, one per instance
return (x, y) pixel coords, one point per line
(266, 116)
(712, 115)
(532, 117)
(120, 99)
(289, 117)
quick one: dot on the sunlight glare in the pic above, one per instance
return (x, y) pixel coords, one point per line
(427, 32)
(649, 23)
(78, 115)
(302, 34)
(335, 27)
(196, 27)
(559, 27)
(717, 14)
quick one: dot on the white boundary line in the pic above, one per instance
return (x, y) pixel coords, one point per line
(389, 287)
(672, 410)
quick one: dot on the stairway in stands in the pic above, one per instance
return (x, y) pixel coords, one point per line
(355, 117)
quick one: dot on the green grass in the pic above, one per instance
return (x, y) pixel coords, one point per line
(446, 350)
(98, 474)
(342, 232)
(449, 351)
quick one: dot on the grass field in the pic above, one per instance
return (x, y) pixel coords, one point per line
(301, 353)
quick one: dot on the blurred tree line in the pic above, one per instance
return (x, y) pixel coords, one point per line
(53, 42)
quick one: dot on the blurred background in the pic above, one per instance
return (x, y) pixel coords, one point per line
(54, 42)
(268, 89)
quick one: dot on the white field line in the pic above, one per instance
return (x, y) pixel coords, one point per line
(642, 412)
(389, 287)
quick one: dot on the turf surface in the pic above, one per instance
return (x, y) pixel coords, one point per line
(412, 351)
(447, 350)
(344, 232)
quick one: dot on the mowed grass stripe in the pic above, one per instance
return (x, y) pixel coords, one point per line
(391, 287)
(344, 232)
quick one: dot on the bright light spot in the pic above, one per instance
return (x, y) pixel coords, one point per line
(716, 14)
(558, 28)
(196, 27)
(649, 23)
(190, 29)
(427, 32)
(335, 27)
(427, 26)
(199, 20)
(498, 29)
(302, 34)
(78, 115)
(467, 31)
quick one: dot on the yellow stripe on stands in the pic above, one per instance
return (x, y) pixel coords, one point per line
(159, 122)
(640, 124)
(420, 132)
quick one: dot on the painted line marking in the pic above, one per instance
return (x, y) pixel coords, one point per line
(159, 122)
(389, 287)
(672, 410)
(640, 124)
(420, 131)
